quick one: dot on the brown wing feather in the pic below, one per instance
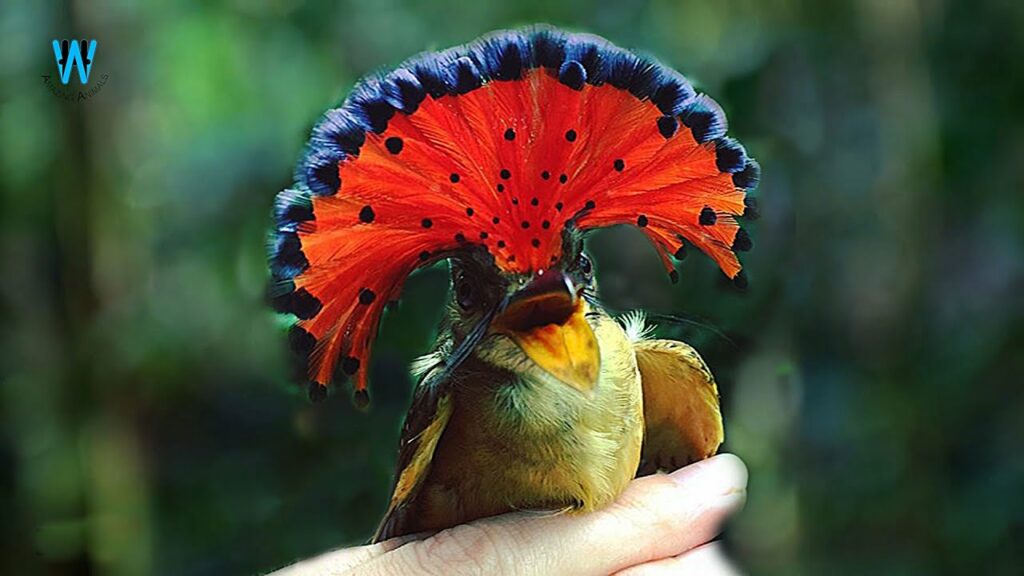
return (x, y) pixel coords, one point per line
(425, 422)
(681, 412)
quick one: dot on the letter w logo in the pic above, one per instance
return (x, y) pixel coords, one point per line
(71, 54)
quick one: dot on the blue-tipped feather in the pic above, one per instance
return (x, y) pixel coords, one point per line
(368, 104)
(291, 209)
(502, 56)
(640, 76)
(730, 155)
(286, 258)
(434, 72)
(320, 170)
(339, 130)
(467, 76)
(402, 90)
(673, 93)
(742, 241)
(740, 280)
(749, 177)
(302, 344)
(667, 126)
(704, 117)
(549, 48)
(751, 211)
(572, 74)
(298, 302)
(277, 288)
(621, 67)
(301, 341)
(286, 299)
(589, 51)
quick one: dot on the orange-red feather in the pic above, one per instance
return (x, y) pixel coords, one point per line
(507, 165)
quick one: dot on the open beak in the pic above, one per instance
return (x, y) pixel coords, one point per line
(546, 319)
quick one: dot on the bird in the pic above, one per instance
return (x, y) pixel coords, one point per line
(497, 158)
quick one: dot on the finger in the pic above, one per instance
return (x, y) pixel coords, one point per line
(340, 561)
(706, 560)
(656, 517)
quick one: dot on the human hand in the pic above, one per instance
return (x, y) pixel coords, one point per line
(661, 524)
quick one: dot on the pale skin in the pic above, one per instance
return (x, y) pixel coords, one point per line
(661, 524)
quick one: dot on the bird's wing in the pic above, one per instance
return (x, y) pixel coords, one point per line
(427, 418)
(681, 412)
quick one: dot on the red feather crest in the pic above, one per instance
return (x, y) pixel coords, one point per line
(516, 140)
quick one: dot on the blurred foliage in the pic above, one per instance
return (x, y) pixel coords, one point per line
(870, 375)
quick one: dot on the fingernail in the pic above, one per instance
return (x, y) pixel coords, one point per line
(722, 475)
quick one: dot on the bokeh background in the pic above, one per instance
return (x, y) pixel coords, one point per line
(871, 374)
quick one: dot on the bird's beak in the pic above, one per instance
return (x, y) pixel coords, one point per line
(546, 319)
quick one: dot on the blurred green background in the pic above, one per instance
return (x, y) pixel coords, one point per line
(871, 375)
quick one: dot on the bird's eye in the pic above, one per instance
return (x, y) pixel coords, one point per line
(585, 266)
(464, 293)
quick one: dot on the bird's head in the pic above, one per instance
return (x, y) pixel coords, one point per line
(495, 156)
(537, 317)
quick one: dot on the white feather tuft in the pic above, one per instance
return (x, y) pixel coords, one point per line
(423, 364)
(635, 325)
